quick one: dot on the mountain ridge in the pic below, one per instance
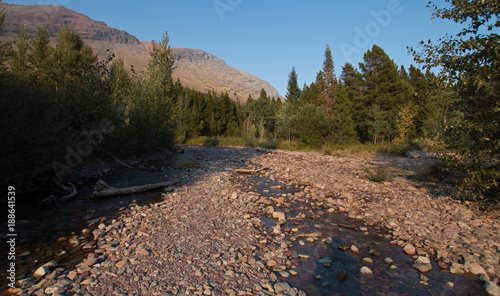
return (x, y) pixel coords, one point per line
(195, 68)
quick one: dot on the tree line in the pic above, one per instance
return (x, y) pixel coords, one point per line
(61, 106)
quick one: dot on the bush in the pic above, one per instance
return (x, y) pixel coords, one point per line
(212, 142)
(379, 174)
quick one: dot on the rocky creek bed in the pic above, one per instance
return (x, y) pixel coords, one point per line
(310, 224)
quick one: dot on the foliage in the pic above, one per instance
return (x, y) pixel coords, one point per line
(312, 125)
(470, 64)
(406, 125)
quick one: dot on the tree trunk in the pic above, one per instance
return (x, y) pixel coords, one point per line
(103, 190)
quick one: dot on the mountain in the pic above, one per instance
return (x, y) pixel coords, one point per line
(195, 68)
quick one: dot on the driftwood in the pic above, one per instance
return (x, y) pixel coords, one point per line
(249, 171)
(103, 190)
(70, 195)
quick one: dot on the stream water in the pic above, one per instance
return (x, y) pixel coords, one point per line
(318, 274)
(63, 233)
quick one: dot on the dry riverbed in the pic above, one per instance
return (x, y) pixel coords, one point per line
(221, 232)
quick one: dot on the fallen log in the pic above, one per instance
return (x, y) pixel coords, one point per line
(249, 171)
(104, 190)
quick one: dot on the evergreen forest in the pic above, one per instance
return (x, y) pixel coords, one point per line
(61, 106)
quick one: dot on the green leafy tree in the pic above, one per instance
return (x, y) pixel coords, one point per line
(406, 125)
(285, 121)
(470, 60)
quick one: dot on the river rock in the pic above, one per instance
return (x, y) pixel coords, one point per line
(422, 264)
(268, 210)
(491, 289)
(367, 260)
(409, 250)
(342, 276)
(423, 260)
(476, 268)
(41, 271)
(278, 215)
(488, 259)
(98, 233)
(281, 288)
(366, 270)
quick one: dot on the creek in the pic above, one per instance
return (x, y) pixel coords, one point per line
(317, 275)
(63, 233)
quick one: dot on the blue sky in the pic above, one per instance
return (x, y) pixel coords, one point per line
(267, 38)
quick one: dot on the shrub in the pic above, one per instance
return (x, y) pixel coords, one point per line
(212, 142)
(379, 174)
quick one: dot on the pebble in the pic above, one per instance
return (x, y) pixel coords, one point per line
(41, 271)
(422, 267)
(188, 233)
(367, 260)
(366, 270)
(342, 276)
(409, 250)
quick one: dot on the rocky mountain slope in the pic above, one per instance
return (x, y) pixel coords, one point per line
(195, 68)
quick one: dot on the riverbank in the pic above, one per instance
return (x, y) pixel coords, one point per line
(210, 235)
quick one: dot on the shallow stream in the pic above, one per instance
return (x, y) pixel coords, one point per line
(318, 274)
(63, 233)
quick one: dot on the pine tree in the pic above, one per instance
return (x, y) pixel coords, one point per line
(160, 67)
(353, 85)
(341, 117)
(160, 92)
(328, 83)
(20, 65)
(382, 86)
(382, 82)
(72, 61)
(40, 57)
(403, 74)
(120, 85)
(293, 90)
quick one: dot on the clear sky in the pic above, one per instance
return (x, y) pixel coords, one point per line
(267, 38)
